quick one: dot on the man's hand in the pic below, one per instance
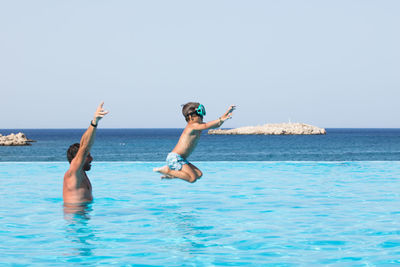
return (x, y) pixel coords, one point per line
(99, 114)
(228, 113)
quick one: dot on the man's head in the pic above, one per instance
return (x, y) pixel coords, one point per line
(71, 153)
(193, 109)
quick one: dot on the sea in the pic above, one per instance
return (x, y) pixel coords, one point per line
(146, 145)
(320, 200)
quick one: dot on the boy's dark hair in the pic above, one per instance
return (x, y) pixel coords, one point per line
(190, 109)
(72, 150)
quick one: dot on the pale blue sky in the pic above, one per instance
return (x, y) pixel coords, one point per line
(327, 63)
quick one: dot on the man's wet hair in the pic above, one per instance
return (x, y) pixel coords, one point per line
(72, 150)
(190, 109)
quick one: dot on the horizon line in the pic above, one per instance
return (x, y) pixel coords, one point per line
(145, 128)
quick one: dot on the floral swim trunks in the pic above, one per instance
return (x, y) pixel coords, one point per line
(175, 161)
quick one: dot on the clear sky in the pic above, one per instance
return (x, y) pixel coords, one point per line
(326, 63)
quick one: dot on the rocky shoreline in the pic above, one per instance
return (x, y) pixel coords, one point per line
(273, 129)
(18, 139)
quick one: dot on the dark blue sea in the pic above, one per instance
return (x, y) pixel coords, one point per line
(150, 145)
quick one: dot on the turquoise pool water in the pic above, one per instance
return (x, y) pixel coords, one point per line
(239, 213)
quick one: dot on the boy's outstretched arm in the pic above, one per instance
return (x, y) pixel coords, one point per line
(215, 123)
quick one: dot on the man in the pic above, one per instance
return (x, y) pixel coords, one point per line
(77, 188)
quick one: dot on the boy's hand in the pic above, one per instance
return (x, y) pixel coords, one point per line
(228, 113)
(99, 114)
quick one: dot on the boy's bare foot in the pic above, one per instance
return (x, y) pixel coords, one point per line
(163, 170)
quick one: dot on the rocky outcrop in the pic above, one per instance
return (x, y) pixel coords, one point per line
(18, 139)
(274, 129)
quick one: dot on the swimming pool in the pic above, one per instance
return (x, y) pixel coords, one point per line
(239, 213)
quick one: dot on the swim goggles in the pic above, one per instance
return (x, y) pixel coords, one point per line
(201, 110)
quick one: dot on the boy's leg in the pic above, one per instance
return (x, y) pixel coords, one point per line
(196, 170)
(187, 173)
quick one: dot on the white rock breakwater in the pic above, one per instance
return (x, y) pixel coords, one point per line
(18, 139)
(273, 129)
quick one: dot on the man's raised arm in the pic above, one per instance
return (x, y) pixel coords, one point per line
(87, 141)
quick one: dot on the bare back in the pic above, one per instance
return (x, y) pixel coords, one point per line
(187, 142)
(74, 193)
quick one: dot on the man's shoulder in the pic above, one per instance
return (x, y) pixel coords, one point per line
(70, 179)
(68, 175)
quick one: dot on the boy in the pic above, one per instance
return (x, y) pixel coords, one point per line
(177, 165)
